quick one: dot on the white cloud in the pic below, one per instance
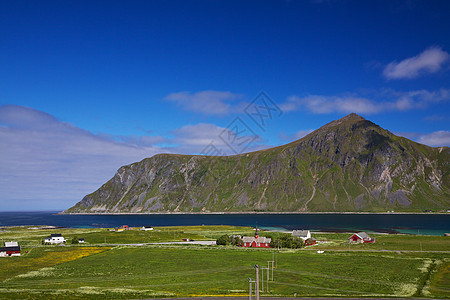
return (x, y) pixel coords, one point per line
(393, 101)
(205, 102)
(429, 61)
(437, 138)
(196, 138)
(53, 164)
(49, 164)
(434, 139)
(296, 136)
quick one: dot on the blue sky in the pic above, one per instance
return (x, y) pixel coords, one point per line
(88, 86)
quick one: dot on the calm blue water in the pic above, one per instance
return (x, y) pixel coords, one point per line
(391, 223)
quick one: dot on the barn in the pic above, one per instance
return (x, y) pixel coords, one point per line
(360, 237)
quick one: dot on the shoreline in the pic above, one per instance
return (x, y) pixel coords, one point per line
(257, 213)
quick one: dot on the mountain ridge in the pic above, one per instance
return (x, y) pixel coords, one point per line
(347, 165)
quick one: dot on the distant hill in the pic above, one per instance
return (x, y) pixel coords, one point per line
(350, 164)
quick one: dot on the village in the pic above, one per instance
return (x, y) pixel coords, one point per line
(296, 239)
(188, 261)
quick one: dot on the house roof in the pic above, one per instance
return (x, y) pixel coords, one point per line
(362, 235)
(300, 233)
(11, 244)
(16, 248)
(260, 239)
(56, 235)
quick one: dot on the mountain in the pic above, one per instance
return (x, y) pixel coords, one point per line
(350, 164)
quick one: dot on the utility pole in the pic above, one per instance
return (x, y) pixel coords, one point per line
(257, 282)
(262, 278)
(276, 257)
(250, 281)
(268, 266)
(273, 262)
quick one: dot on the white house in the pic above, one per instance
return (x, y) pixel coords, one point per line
(55, 239)
(147, 228)
(11, 244)
(303, 234)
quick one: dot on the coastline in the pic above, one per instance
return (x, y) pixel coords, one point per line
(257, 213)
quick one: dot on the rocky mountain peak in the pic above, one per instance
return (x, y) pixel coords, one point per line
(350, 164)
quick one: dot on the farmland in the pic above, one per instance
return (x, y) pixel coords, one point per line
(392, 267)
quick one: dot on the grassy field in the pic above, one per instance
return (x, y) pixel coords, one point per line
(122, 272)
(93, 236)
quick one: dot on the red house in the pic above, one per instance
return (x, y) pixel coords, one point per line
(256, 241)
(360, 237)
(310, 242)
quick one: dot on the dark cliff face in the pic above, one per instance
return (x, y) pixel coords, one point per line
(350, 164)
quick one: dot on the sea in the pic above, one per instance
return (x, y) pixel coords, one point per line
(427, 224)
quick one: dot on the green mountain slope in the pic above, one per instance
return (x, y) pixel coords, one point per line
(350, 164)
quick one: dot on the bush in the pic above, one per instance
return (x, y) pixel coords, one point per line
(236, 241)
(223, 240)
(286, 241)
(75, 240)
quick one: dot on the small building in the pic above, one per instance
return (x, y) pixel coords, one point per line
(55, 239)
(256, 241)
(303, 234)
(360, 237)
(146, 228)
(80, 241)
(310, 242)
(10, 249)
(11, 244)
(122, 228)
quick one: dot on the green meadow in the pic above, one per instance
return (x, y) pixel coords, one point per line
(392, 267)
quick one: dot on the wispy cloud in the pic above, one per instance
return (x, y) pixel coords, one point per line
(395, 101)
(296, 136)
(195, 138)
(434, 139)
(206, 102)
(429, 61)
(56, 163)
(51, 164)
(436, 118)
(437, 138)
